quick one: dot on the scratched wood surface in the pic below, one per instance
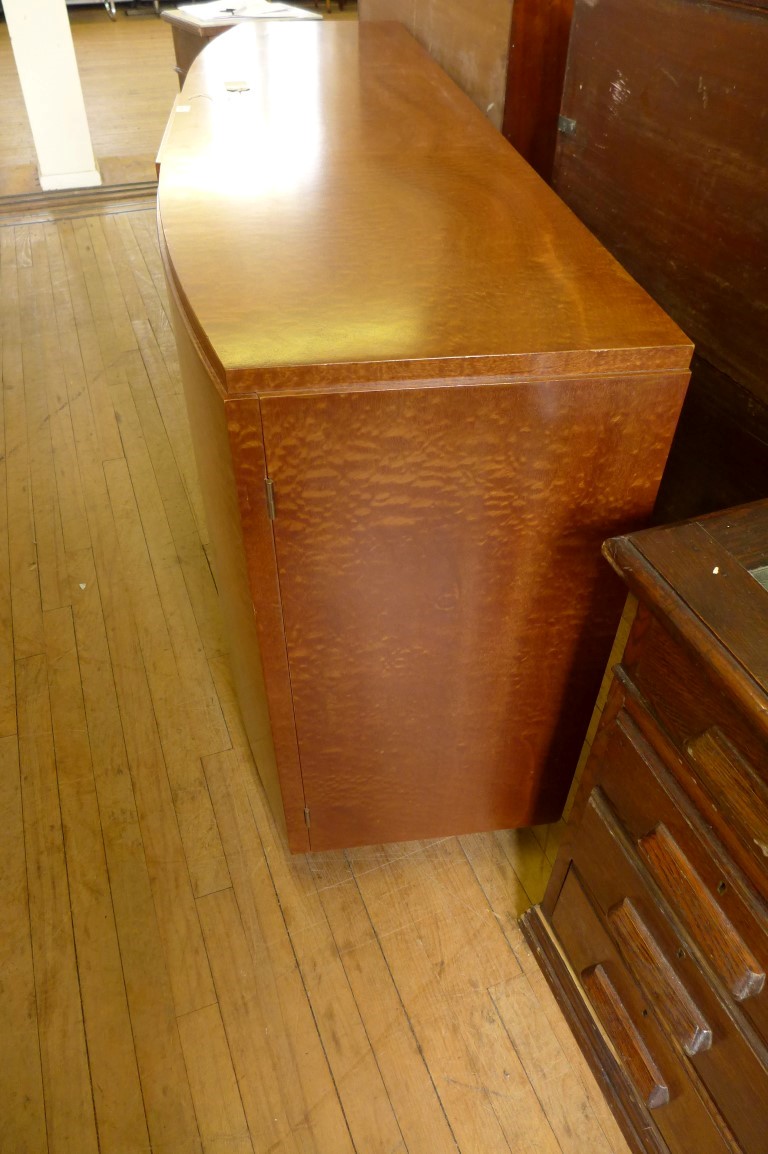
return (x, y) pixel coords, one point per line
(172, 980)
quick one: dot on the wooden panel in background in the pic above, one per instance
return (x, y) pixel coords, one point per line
(538, 47)
(468, 40)
(667, 160)
(665, 164)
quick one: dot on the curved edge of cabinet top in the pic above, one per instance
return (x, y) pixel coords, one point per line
(334, 212)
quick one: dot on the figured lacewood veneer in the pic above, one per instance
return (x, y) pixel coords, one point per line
(421, 395)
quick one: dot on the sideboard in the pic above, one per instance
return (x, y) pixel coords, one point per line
(421, 395)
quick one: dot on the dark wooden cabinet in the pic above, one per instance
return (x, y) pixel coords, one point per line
(190, 38)
(421, 395)
(663, 155)
(658, 899)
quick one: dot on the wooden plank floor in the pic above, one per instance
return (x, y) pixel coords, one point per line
(170, 978)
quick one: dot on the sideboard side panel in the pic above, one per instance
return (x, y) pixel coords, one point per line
(265, 606)
(209, 420)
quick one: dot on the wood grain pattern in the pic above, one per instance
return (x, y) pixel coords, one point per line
(69, 1109)
(687, 1119)
(723, 915)
(118, 1103)
(404, 1069)
(657, 953)
(672, 93)
(640, 1064)
(100, 951)
(21, 1080)
(26, 604)
(396, 558)
(395, 565)
(743, 533)
(422, 241)
(265, 1061)
(234, 497)
(548, 968)
(667, 97)
(657, 676)
(467, 40)
(557, 1084)
(685, 638)
(10, 366)
(737, 791)
(445, 962)
(734, 962)
(705, 593)
(537, 945)
(673, 876)
(213, 1082)
(647, 961)
(538, 49)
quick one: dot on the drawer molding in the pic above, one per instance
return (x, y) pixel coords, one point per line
(623, 1034)
(712, 930)
(734, 787)
(651, 967)
(630, 1111)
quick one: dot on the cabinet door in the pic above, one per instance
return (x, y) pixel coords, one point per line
(447, 614)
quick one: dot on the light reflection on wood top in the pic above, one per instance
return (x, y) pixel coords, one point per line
(334, 208)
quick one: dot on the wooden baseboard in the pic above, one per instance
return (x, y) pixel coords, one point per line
(35, 207)
(635, 1121)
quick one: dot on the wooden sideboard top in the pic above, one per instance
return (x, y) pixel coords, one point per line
(335, 212)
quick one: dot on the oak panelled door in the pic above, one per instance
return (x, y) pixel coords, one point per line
(436, 551)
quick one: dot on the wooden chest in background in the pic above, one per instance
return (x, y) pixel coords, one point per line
(659, 896)
(663, 153)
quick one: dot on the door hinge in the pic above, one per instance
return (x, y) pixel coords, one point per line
(306, 817)
(566, 125)
(270, 490)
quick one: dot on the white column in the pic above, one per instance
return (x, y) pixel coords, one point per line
(45, 59)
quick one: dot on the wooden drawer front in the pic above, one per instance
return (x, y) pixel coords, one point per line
(727, 921)
(724, 766)
(682, 1110)
(697, 1021)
